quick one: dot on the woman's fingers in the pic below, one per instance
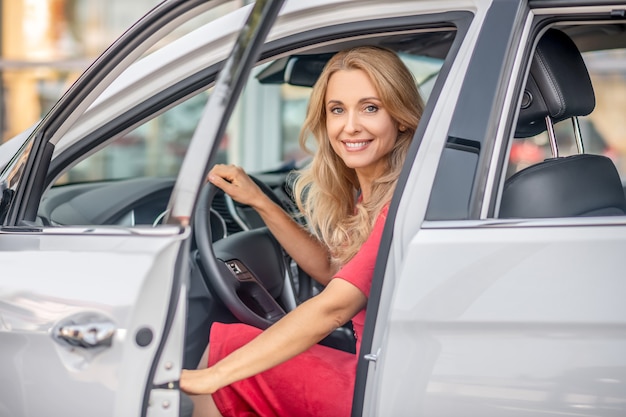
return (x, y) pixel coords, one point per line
(227, 177)
(225, 172)
(234, 181)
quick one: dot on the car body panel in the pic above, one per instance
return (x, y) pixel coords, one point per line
(48, 279)
(497, 335)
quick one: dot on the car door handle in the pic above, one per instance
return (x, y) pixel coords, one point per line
(85, 331)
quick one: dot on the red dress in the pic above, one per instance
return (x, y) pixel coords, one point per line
(318, 382)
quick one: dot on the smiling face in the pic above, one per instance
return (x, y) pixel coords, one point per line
(360, 129)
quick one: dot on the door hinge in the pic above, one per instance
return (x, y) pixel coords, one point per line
(372, 357)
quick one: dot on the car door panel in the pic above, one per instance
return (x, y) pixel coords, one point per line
(58, 277)
(507, 321)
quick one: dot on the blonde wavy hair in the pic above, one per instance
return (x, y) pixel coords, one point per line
(326, 190)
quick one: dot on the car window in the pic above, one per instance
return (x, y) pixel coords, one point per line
(603, 130)
(580, 170)
(262, 136)
(603, 51)
(155, 149)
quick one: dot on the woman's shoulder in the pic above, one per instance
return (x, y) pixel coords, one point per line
(384, 210)
(381, 217)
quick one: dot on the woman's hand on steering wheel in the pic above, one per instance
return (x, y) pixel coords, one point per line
(234, 181)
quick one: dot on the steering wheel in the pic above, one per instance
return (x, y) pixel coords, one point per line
(247, 269)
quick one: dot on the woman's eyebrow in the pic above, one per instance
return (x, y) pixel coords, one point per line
(361, 100)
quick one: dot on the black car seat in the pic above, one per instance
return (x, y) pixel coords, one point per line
(559, 88)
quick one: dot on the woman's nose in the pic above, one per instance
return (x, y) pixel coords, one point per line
(353, 124)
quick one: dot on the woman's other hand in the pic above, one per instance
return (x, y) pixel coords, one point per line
(201, 381)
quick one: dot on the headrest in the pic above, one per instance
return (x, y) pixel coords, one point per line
(558, 85)
(578, 185)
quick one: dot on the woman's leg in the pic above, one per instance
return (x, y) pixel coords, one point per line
(204, 406)
(204, 360)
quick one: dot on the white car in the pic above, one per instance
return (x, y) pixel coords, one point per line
(499, 287)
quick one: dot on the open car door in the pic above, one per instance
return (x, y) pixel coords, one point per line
(92, 317)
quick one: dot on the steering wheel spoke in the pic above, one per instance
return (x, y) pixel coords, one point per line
(253, 294)
(246, 270)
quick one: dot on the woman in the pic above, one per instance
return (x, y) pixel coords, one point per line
(363, 112)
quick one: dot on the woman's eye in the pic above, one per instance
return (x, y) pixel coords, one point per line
(371, 109)
(336, 110)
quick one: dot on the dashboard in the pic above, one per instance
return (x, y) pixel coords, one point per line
(143, 201)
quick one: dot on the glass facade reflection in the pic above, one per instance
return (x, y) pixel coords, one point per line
(46, 44)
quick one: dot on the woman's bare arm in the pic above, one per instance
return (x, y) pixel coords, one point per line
(308, 252)
(303, 327)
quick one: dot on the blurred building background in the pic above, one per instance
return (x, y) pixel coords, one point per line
(46, 44)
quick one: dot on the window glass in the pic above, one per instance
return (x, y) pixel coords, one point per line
(606, 126)
(157, 147)
(552, 179)
(154, 149)
(603, 131)
(94, 188)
